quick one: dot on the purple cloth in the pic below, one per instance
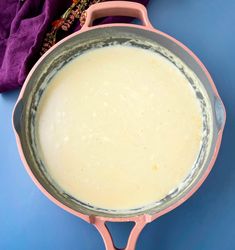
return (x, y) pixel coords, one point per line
(23, 25)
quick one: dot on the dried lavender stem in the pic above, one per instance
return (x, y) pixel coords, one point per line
(75, 11)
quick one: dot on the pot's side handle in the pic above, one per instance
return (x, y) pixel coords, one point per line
(140, 223)
(220, 113)
(16, 117)
(117, 8)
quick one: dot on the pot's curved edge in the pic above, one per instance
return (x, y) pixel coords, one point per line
(40, 187)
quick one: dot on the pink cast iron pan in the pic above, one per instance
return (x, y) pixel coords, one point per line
(89, 37)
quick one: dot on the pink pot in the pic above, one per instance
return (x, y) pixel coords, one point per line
(62, 52)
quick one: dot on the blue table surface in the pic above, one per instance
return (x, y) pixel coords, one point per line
(28, 220)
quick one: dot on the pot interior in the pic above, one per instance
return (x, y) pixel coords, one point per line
(211, 108)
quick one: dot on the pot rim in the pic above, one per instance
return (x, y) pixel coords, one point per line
(147, 217)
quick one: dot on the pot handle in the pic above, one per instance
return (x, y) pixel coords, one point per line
(140, 223)
(116, 8)
(16, 117)
(220, 113)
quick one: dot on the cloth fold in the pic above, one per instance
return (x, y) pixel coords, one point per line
(23, 25)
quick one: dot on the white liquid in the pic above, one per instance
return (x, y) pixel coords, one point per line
(119, 127)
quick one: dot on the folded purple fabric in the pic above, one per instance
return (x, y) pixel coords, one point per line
(23, 25)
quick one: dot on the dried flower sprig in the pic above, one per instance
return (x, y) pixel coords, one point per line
(77, 10)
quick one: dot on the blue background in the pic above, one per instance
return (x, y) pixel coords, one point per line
(28, 220)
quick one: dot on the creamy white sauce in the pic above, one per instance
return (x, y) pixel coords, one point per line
(119, 127)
